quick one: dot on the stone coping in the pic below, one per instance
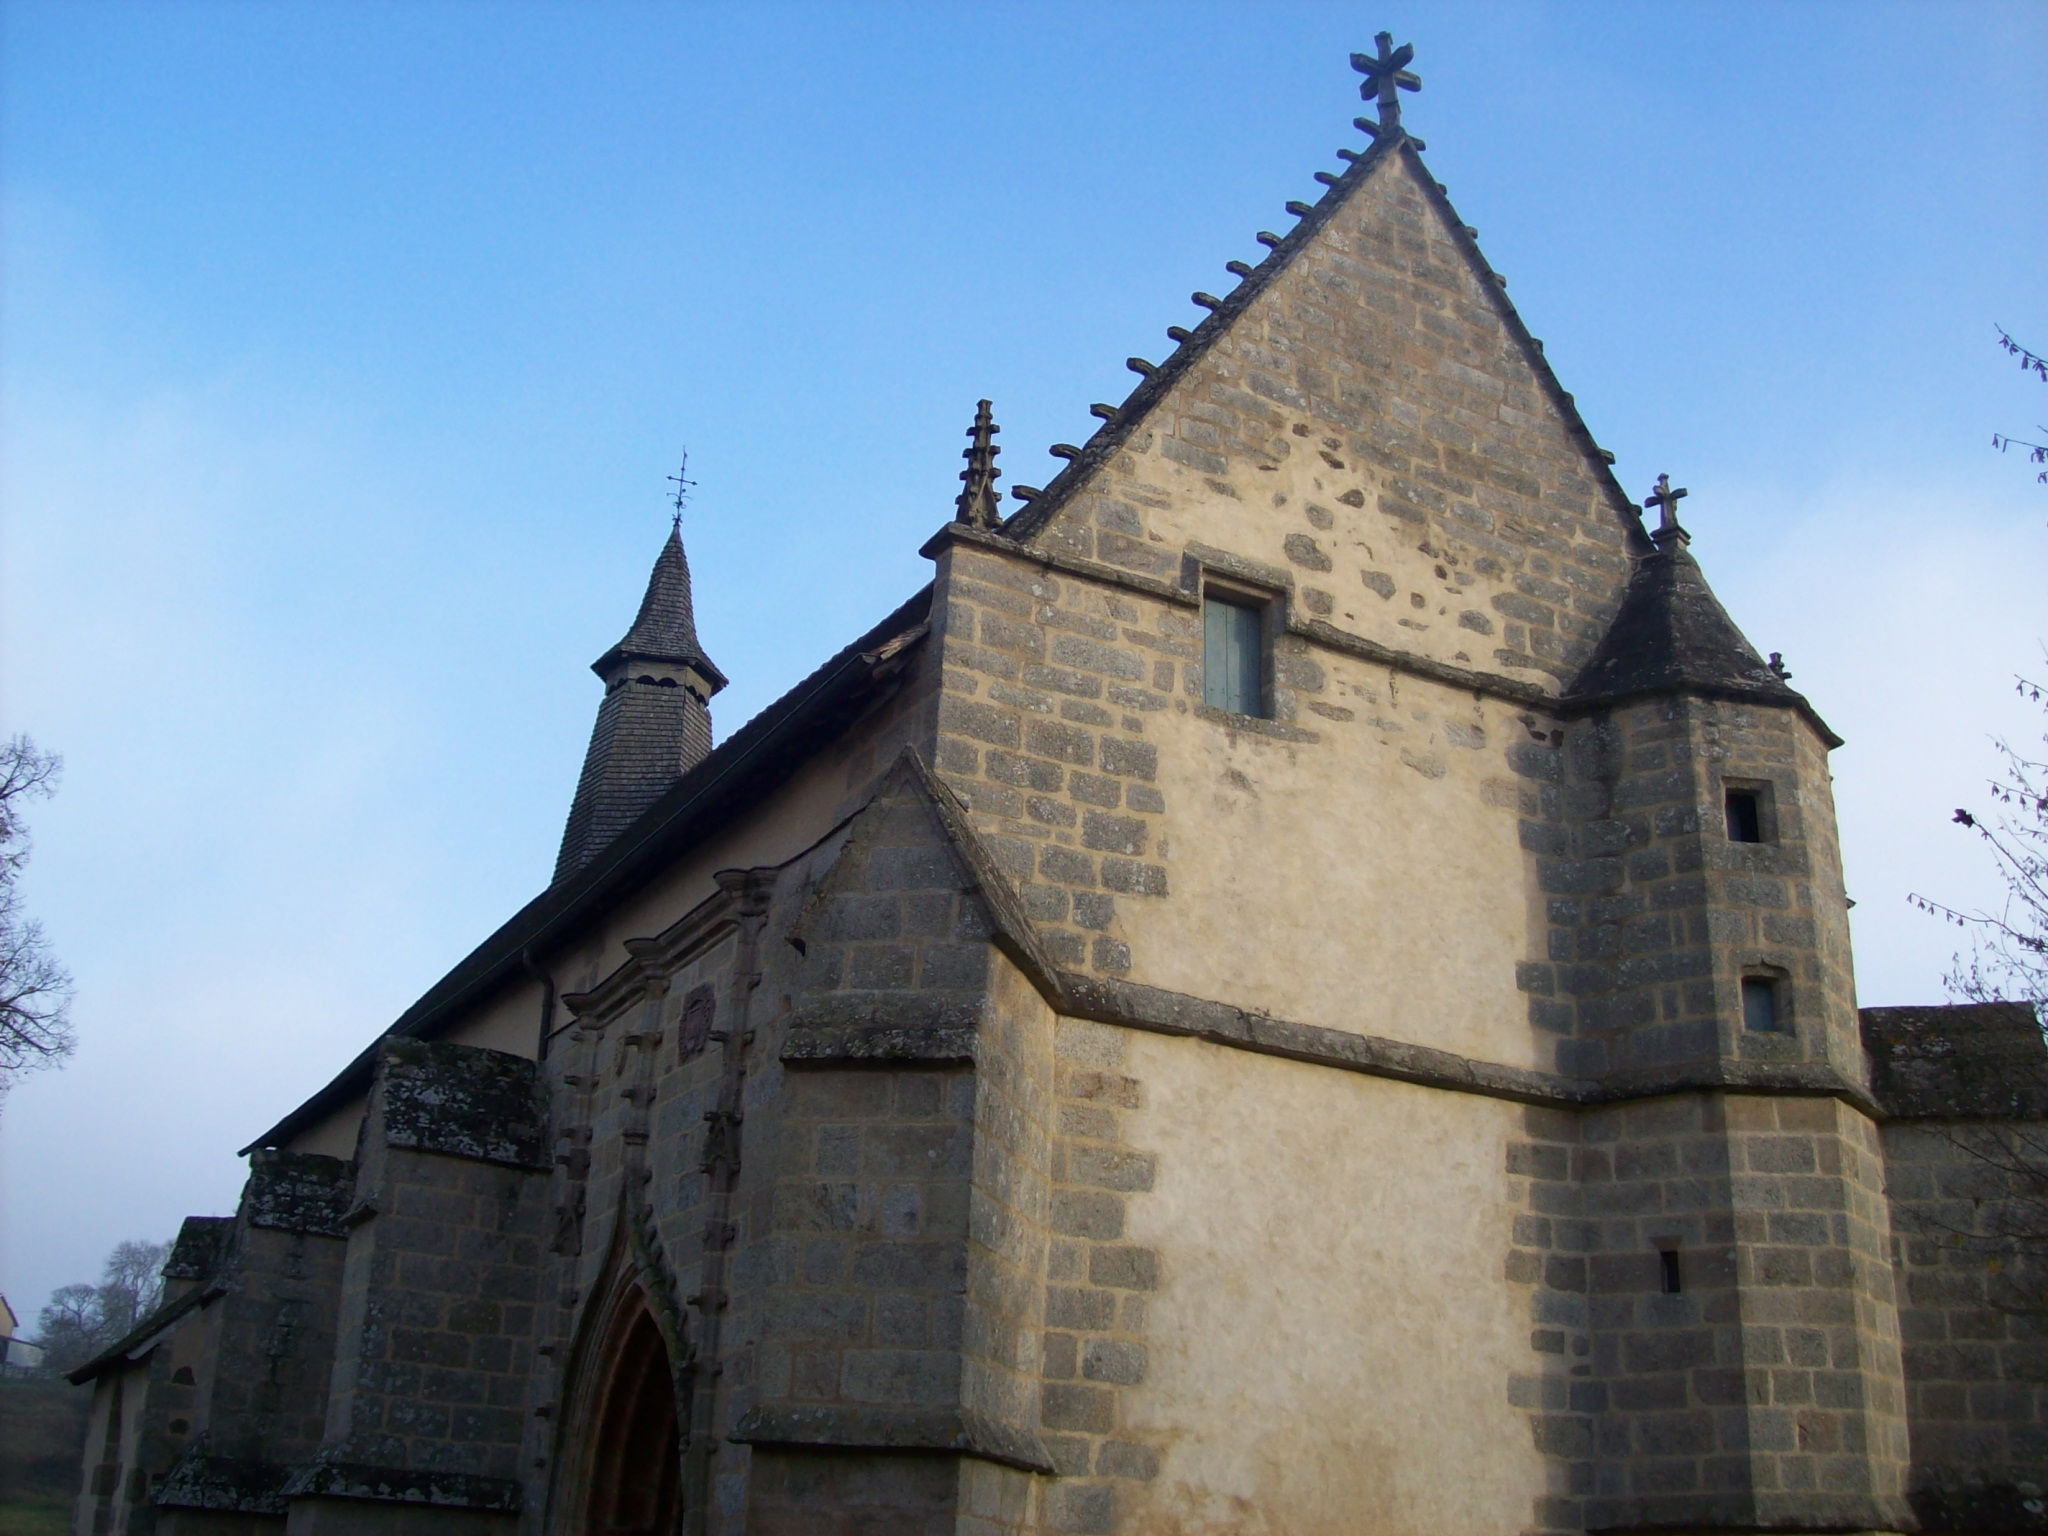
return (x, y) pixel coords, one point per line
(929, 1431)
(403, 1485)
(199, 1481)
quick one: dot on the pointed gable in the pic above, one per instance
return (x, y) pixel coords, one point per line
(1367, 418)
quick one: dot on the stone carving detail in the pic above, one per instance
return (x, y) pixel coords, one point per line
(700, 1008)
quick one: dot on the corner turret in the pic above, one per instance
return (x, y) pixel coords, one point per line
(655, 722)
(1671, 632)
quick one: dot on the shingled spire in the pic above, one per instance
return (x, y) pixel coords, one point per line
(655, 722)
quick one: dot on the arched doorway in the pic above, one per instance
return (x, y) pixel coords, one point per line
(636, 1447)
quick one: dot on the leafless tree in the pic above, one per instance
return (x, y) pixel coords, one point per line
(2030, 362)
(2008, 957)
(2005, 1186)
(35, 991)
(81, 1320)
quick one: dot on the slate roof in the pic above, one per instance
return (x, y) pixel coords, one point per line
(665, 628)
(1671, 634)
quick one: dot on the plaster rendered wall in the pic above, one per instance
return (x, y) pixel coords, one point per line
(507, 1021)
(334, 1135)
(1365, 875)
(1330, 1338)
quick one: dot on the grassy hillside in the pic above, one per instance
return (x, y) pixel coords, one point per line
(42, 1436)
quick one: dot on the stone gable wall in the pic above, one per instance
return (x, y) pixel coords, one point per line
(1371, 422)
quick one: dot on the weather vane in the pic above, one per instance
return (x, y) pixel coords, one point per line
(684, 485)
(1386, 76)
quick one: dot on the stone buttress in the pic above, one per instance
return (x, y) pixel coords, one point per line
(201, 1413)
(427, 1402)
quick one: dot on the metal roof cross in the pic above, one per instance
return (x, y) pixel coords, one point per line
(684, 485)
(1386, 75)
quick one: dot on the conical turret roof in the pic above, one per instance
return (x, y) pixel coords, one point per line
(1671, 632)
(665, 628)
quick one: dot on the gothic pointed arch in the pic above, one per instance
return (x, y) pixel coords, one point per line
(626, 1419)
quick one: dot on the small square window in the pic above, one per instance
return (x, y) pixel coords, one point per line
(1761, 1005)
(1233, 654)
(1745, 817)
(1749, 811)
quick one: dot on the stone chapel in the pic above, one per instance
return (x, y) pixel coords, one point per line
(1300, 987)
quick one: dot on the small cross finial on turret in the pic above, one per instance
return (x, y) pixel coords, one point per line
(684, 485)
(978, 504)
(1665, 499)
(1386, 75)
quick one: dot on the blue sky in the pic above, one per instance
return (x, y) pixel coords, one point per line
(344, 349)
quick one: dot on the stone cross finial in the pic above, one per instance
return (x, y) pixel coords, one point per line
(977, 505)
(1386, 75)
(684, 485)
(1665, 499)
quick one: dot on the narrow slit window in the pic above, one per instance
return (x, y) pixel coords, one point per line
(1745, 816)
(1233, 655)
(1760, 1011)
(1669, 1276)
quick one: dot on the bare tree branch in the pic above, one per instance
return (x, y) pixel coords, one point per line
(35, 991)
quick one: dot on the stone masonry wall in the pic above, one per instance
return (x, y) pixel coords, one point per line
(1372, 419)
(267, 1385)
(1655, 915)
(1008, 1237)
(1046, 684)
(1098, 1283)
(871, 1190)
(441, 1279)
(1974, 1317)
(1767, 1386)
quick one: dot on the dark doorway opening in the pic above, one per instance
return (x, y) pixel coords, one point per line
(636, 1460)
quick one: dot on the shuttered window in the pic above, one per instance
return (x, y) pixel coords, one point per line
(1233, 656)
